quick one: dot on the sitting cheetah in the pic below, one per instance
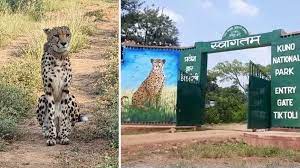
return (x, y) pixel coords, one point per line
(57, 110)
(149, 92)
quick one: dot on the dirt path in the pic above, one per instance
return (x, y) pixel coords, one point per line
(9, 52)
(159, 150)
(157, 138)
(31, 151)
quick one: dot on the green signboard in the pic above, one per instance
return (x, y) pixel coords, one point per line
(190, 90)
(285, 78)
(285, 82)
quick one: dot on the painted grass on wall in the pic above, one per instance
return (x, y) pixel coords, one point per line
(166, 112)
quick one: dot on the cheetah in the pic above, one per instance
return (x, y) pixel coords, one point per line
(149, 92)
(57, 110)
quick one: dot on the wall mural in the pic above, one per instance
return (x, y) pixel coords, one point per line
(149, 84)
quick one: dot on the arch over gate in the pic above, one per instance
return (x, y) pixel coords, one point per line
(285, 48)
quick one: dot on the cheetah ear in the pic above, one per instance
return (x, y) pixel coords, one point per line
(66, 27)
(152, 60)
(46, 30)
(164, 61)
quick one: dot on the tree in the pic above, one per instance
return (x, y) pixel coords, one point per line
(129, 17)
(211, 82)
(128, 6)
(232, 71)
(148, 26)
(230, 105)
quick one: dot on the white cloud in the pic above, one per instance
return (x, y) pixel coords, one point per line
(242, 7)
(206, 4)
(173, 15)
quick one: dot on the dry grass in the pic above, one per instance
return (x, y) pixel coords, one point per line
(233, 149)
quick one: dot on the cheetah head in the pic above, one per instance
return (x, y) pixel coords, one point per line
(158, 64)
(58, 38)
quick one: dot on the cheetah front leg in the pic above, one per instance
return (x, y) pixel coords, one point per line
(65, 127)
(51, 138)
(41, 111)
(70, 117)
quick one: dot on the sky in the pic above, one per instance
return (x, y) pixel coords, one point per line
(207, 20)
(138, 61)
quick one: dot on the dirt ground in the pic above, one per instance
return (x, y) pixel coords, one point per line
(31, 150)
(156, 149)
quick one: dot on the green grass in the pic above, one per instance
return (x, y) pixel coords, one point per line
(166, 112)
(233, 150)
(16, 101)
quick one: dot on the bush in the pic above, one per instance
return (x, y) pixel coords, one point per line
(8, 128)
(212, 116)
(230, 105)
(240, 115)
(15, 102)
(24, 73)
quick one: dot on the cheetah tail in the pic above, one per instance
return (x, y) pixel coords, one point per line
(82, 118)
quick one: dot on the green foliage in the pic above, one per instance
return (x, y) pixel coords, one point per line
(8, 128)
(35, 8)
(232, 71)
(241, 114)
(230, 106)
(149, 26)
(15, 102)
(24, 73)
(231, 103)
(130, 6)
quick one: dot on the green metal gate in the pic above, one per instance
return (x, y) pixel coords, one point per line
(259, 98)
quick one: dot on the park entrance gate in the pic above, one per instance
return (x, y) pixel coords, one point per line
(259, 98)
(284, 102)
